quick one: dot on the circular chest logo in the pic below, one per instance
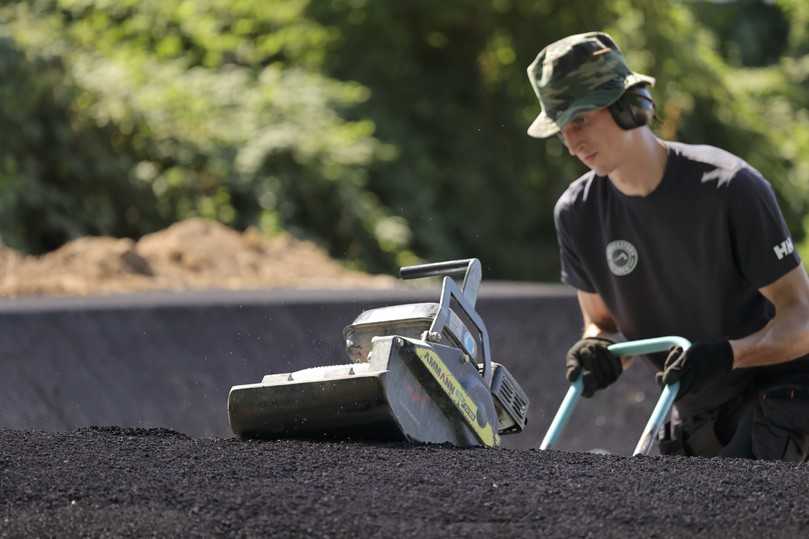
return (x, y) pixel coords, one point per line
(622, 257)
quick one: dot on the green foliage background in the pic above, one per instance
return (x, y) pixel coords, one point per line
(388, 132)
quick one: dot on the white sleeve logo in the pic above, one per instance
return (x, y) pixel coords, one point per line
(784, 248)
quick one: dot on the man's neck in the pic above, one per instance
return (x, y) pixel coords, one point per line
(642, 169)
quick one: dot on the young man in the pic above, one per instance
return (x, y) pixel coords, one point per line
(663, 238)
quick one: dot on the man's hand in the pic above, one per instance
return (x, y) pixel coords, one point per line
(693, 368)
(597, 366)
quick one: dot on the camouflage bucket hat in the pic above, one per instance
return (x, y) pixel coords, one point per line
(578, 73)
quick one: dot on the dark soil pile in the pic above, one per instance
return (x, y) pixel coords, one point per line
(135, 483)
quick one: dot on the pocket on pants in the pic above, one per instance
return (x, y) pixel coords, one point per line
(781, 429)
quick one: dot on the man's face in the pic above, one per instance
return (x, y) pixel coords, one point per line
(596, 140)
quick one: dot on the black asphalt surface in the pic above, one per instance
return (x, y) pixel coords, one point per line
(113, 481)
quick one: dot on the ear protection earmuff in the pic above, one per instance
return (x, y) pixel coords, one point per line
(634, 109)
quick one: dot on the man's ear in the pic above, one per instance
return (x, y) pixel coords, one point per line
(634, 109)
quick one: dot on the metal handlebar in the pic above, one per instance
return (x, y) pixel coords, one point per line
(469, 267)
(448, 267)
(661, 409)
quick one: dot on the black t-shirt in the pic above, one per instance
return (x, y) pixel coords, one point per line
(687, 259)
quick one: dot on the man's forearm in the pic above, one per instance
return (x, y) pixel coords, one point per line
(593, 330)
(785, 338)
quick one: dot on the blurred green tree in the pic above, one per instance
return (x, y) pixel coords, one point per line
(383, 130)
(224, 113)
(449, 91)
(61, 174)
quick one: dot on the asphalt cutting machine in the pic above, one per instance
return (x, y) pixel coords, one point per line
(420, 372)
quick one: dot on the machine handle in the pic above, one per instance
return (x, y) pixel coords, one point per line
(648, 346)
(563, 414)
(667, 395)
(661, 409)
(449, 267)
(469, 267)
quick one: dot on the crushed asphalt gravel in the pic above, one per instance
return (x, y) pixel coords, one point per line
(113, 481)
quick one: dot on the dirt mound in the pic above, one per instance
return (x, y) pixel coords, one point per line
(191, 254)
